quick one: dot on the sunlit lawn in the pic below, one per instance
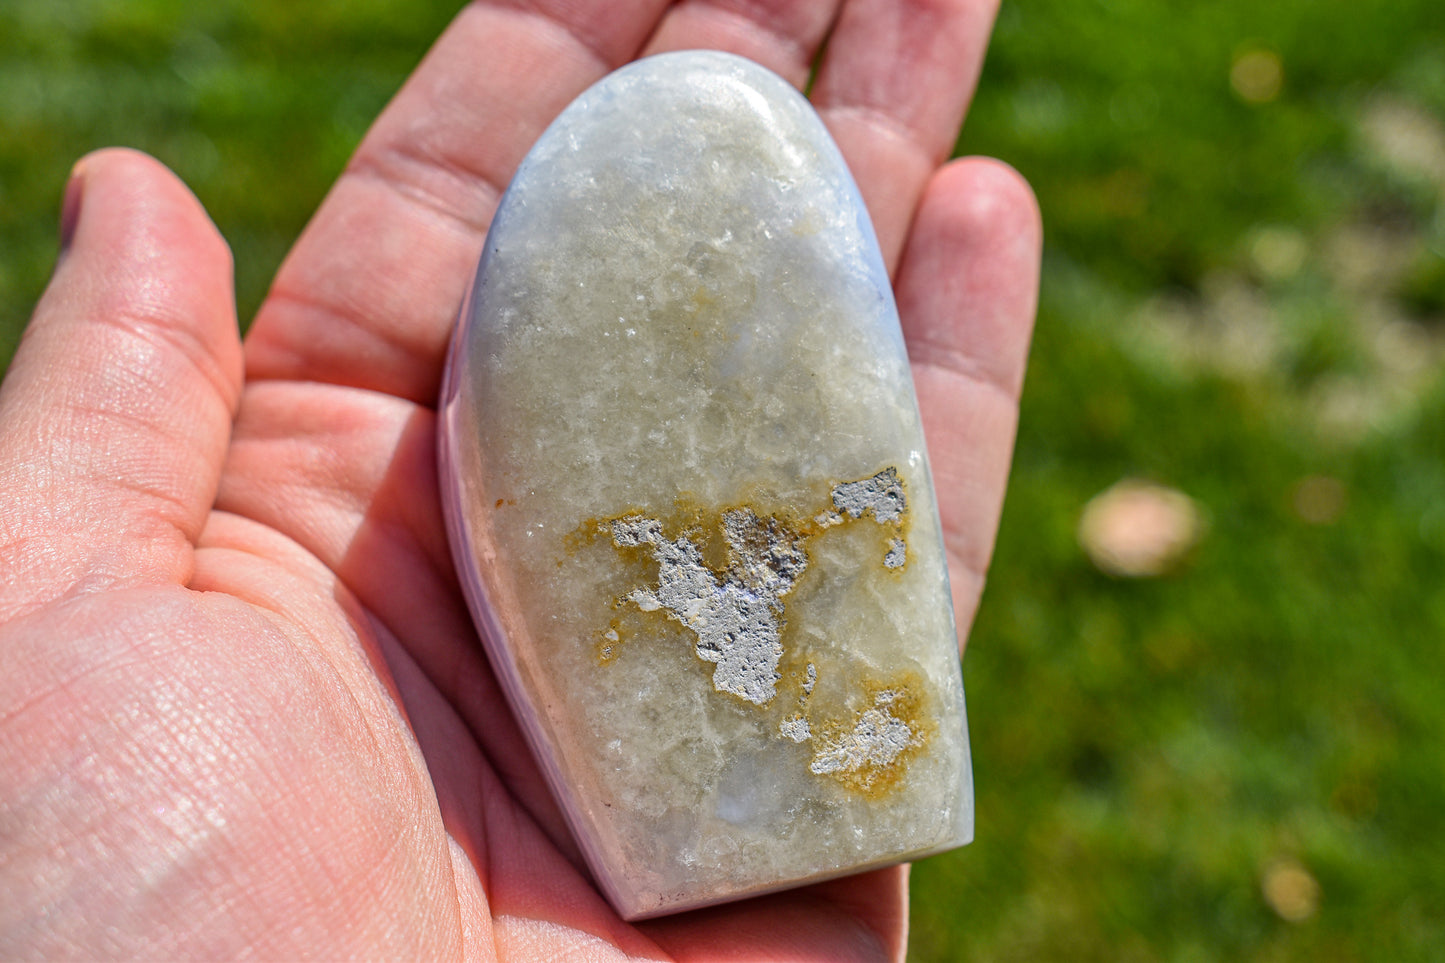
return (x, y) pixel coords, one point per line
(1244, 301)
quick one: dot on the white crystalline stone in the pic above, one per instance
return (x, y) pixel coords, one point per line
(682, 469)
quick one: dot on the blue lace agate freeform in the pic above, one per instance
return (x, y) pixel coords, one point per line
(690, 503)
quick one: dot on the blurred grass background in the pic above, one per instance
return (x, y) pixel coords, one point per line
(1244, 300)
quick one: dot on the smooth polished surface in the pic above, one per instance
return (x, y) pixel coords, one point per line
(689, 498)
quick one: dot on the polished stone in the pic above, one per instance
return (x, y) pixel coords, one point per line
(689, 498)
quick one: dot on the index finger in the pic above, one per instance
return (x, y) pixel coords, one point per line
(368, 294)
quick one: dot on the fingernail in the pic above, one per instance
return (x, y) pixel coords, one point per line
(70, 209)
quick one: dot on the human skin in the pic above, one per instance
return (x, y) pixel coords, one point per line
(243, 711)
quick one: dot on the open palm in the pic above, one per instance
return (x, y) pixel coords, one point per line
(242, 707)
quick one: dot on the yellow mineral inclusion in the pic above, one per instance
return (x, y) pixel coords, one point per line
(736, 613)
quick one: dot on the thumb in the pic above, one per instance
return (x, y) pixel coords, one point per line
(116, 412)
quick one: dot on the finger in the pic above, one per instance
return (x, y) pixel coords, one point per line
(782, 35)
(115, 415)
(894, 84)
(863, 917)
(368, 295)
(967, 293)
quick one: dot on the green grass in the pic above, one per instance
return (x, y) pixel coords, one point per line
(1145, 752)
(1244, 288)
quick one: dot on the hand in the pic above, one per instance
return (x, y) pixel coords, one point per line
(242, 707)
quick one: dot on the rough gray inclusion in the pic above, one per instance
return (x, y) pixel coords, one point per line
(876, 740)
(737, 619)
(882, 495)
